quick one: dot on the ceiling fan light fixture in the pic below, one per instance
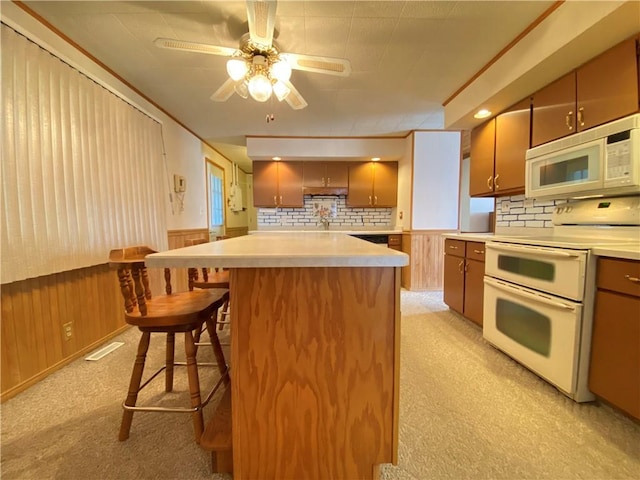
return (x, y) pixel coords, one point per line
(260, 88)
(281, 90)
(237, 68)
(281, 70)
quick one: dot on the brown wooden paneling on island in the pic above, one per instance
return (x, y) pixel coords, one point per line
(314, 348)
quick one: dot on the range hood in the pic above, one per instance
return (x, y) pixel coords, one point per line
(325, 190)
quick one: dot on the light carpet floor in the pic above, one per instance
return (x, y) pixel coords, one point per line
(467, 411)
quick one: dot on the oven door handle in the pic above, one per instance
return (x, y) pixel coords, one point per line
(527, 249)
(514, 290)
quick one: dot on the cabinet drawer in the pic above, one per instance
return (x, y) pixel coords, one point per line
(619, 275)
(394, 240)
(475, 251)
(454, 247)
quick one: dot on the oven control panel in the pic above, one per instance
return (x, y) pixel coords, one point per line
(599, 211)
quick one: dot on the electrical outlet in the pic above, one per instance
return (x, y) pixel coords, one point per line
(504, 206)
(528, 203)
(67, 328)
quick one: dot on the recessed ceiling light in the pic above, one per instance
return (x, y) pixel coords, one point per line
(483, 113)
(276, 158)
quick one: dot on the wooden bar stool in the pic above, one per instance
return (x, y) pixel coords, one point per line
(169, 314)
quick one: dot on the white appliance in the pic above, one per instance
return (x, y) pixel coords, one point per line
(601, 161)
(539, 291)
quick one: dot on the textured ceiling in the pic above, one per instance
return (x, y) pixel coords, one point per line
(407, 57)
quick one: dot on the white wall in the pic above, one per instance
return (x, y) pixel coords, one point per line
(436, 180)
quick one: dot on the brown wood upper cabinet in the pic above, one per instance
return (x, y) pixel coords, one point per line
(373, 184)
(601, 90)
(498, 149)
(326, 174)
(277, 184)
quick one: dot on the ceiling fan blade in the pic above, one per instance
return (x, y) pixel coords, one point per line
(261, 15)
(224, 92)
(340, 67)
(193, 47)
(294, 99)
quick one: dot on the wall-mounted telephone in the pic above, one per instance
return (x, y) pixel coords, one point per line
(179, 184)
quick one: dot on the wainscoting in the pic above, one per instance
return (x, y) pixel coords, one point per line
(34, 343)
(34, 311)
(426, 252)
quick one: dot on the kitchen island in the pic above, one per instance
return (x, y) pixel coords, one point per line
(315, 335)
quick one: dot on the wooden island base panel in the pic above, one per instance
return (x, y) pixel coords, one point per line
(315, 335)
(313, 372)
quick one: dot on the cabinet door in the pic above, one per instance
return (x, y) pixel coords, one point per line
(553, 114)
(512, 142)
(337, 174)
(385, 184)
(314, 174)
(290, 184)
(453, 286)
(360, 185)
(265, 184)
(614, 373)
(474, 290)
(607, 86)
(483, 139)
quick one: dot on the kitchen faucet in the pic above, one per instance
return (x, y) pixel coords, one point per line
(325, 222)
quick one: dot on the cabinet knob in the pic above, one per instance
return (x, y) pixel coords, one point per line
(632, 279)
(568, 120)
(369, 199)
(461, 266)
(581, 116)
(495, 181)
(453, 247)
(280, 199)
(479, 252)
(375, 198)
(328, 181)
(275, 201)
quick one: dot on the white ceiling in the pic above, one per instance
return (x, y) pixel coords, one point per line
(407, 57)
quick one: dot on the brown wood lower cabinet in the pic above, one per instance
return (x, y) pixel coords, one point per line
(614, 374)
(463, 278)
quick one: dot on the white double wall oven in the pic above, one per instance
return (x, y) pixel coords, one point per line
(534, 307)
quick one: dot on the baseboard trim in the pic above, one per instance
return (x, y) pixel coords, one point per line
(21, 387)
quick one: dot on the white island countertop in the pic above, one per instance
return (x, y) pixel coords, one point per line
(292, 250)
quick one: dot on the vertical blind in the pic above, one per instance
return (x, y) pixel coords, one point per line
(82, 170)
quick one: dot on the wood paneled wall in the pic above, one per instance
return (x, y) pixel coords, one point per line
(426, 252)
(34, 311)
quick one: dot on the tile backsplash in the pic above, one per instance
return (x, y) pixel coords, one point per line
(344, 216)
(516, 211)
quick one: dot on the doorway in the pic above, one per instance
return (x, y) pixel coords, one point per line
(215, 200)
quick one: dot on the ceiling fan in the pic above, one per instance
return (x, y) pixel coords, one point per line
(258, 68)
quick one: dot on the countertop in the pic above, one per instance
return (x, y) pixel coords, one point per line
(331, 230)
(280, 249)
(629, 252)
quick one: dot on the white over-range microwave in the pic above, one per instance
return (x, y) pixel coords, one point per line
(601, 161)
